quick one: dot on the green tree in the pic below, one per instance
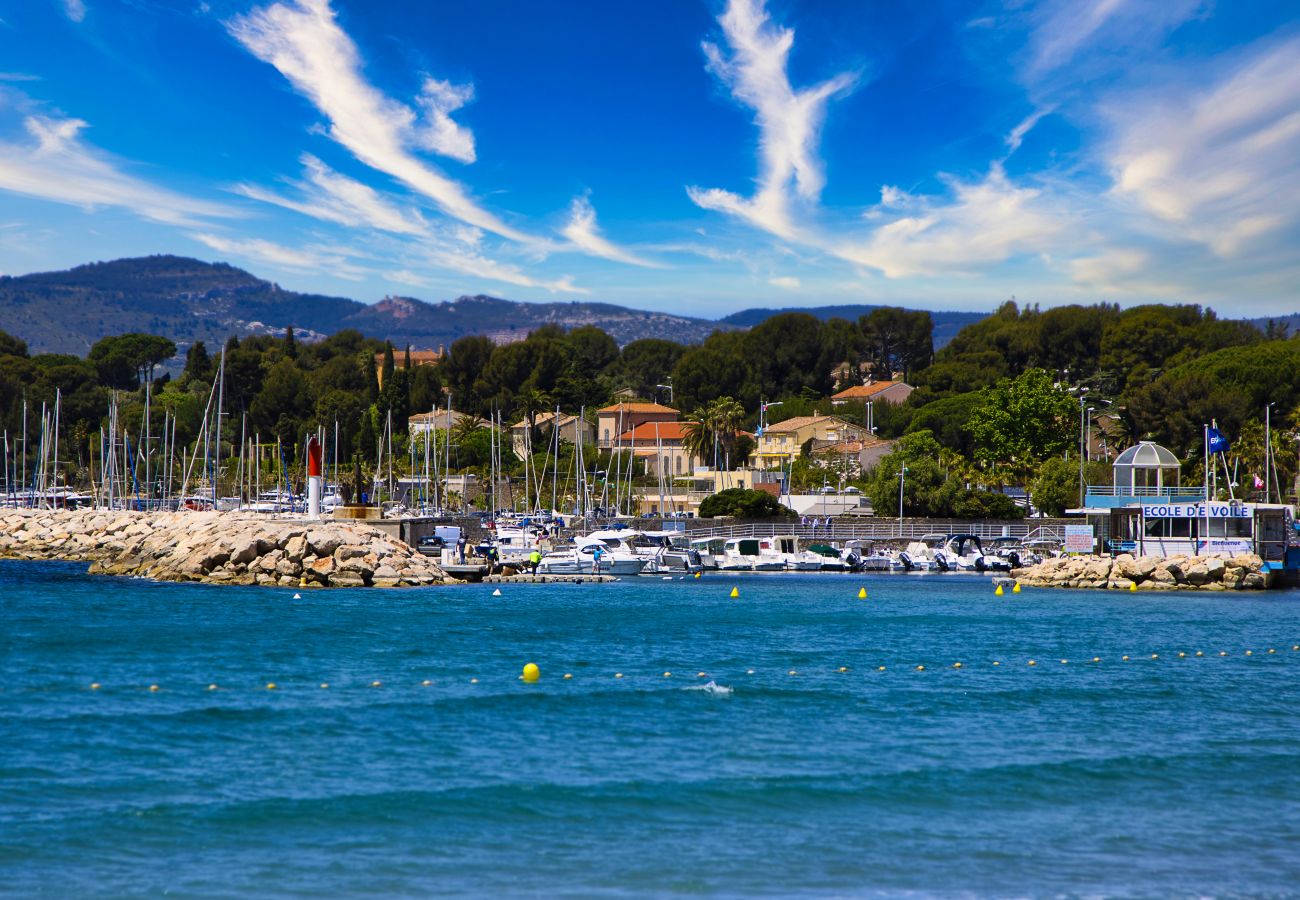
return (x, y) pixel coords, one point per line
(1019, 422)
(743, 503)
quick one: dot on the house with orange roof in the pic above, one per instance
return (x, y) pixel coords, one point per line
(783, 441)
(613, 421)
(418, 358)
(660, 446)
(893, 391)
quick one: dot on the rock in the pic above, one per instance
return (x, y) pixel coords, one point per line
(1215, 569)
(323, 568)
(344, 578)
(295, 548)
(1197, 574)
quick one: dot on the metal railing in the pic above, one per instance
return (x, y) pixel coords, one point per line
(881, 530)
(1143, 490)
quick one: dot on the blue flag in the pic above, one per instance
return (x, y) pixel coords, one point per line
(1217, 442)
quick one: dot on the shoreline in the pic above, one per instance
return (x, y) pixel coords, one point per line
(1209, 572)
(218, 548)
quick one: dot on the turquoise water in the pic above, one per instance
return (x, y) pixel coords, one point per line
(1148, 777)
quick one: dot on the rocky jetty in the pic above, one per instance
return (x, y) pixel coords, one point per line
(219, 548)
(1177, 573)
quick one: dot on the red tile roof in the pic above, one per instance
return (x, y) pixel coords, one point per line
(638, 408)
(864, 391)
(650, 432)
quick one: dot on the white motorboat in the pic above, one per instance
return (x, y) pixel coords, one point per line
(711, 551)
(739, 555)
(965, 554)
(590, 556)
(785, 549)
(866, 557)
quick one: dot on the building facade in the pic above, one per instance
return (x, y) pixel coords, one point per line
(614, 421)
(783, 441)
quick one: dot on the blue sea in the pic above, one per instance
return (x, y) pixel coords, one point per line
(778, 758)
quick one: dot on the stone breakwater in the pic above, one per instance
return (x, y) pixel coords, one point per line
(219, 548)
(1177, 573)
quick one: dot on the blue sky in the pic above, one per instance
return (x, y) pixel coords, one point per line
(691, 156)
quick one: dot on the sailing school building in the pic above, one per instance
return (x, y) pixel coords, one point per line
(1147, 512)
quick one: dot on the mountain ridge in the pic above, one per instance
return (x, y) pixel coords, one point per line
(189, 300)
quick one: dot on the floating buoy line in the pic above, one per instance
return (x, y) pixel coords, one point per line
(532, 673)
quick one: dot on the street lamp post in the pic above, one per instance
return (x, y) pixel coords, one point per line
(902, 477)
(1082, 439)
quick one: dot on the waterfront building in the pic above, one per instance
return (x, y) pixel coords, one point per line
(613, 421)
(1148, 512)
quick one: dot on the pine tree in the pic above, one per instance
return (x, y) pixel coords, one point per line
(389, 363)
(290, 345)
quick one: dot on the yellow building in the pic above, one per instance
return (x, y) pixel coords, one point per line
(781, 442)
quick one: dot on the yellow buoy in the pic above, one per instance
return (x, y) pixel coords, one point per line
(793, 672)
(880, 669)
(920, 668)
(749, 671)
(212, 687)
(153, 688)
(1155, 655)
(618, 674)
(1016, 588)
(1223, 652)
(1096, 659)
(998, 591)
(568, 675)
(956, 665)
(1033, 663)
(1199, 653)
(735, 592)
(1271, 650)
(94, 685)
(1125, 658)
(425, 683)
(996, 663)
(270, 685)
(1132, 585)
(700, 675)
(1181, 654)
(324, 685)
(697, 574)
(843, 669)
(1250, 652)
(1064, 661)
(862, 593)
(376, 684)
(531, 673)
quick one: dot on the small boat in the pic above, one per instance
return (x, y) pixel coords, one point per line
(581, 559)
(739, 555)
(965, 553)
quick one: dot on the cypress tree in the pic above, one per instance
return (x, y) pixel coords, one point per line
(389, 363)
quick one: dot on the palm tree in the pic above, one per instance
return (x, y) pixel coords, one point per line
(697, 434)
(725, 416)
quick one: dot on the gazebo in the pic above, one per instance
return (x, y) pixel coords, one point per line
(1146, 469)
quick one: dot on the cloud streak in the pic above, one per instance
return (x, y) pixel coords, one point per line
(57, 165)
(583, 234)
(789, 120)
(1222, 164)
(304, 42)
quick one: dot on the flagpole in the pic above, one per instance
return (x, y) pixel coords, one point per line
(1206, 536)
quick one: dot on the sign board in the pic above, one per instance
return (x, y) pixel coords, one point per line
(1079, 539)
(1194, 511)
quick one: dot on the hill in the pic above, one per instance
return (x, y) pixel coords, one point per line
(190, 300)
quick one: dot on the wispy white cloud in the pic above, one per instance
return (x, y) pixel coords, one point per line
(583, 234)
(57, 165)
(304, 42)
(304, 259)
(789, 282)
(18, 76)
(789, 120)
(74, 10)
(1220, 163)
(1063, 30)
(441, 134)
(331, 197)
(987, 221)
